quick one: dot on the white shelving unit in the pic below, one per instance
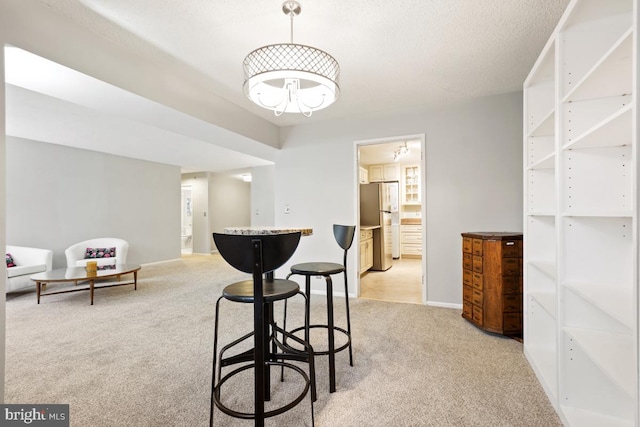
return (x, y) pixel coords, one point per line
(581, 215)
(540, 255)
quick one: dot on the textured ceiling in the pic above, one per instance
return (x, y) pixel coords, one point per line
(393, 55)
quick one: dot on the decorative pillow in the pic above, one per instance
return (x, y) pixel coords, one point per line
(100, 253)
(10, 262)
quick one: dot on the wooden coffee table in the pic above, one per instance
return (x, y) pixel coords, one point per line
(78, 274)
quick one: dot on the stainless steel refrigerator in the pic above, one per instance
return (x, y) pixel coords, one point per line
(379, 207)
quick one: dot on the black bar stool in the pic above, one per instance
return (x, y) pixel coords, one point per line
(344, 236)
(260, 255)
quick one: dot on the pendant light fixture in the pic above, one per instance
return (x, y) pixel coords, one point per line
(289, 77)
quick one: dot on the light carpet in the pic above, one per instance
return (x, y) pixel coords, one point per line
(143, 358)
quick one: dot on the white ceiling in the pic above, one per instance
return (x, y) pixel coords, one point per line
(383, 152)
(393, 55)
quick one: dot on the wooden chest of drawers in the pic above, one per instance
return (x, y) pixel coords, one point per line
(492, 281)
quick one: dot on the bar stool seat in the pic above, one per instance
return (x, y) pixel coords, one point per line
(272, 291)
(317, 268)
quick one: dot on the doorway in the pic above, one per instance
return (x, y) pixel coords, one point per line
(186, 233)
(393, 160)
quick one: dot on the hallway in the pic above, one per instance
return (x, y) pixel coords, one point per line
(401, 283)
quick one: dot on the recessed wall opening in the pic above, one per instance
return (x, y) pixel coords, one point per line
(391, 205)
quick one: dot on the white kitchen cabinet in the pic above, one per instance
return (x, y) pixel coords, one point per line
(411, 185)
(363, 175)
(581, 231)
(391, 172)
(411, 241)
(366, 250)
(386, 172)
(376, 173)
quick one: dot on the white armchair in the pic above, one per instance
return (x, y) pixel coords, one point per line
(28, 261)
(76, 253)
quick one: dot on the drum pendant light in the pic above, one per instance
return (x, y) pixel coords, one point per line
(289, 77)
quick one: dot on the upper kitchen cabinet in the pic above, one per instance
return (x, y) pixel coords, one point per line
(388, 172)
(363, 175)
(411, 185)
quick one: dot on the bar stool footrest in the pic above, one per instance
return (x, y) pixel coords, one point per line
(325, 352)
(267, 414)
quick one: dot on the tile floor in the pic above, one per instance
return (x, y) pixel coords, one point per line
(401, 283)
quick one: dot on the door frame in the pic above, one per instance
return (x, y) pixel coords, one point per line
(357, 144)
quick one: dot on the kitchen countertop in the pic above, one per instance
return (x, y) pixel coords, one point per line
(369, 227)
(410, 221)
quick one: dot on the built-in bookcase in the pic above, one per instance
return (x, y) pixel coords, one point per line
(581, 231)
(540, 265)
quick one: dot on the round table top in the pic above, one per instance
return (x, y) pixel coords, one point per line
(262, 230)
(80, 273)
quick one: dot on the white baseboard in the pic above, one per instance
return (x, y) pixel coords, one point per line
(444, 305)
(430, 303)
(161, 262)
(335, 294)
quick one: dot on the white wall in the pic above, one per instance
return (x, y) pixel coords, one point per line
(263, 195)
(58, 196)
(230, 201)
(473, 180)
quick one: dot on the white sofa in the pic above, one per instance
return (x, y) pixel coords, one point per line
(76, 253)
(29, 261)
